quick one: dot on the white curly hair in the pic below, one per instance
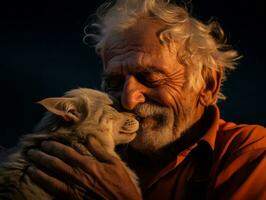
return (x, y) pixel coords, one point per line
(202, 46)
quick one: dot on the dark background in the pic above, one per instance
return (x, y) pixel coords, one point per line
(42, 55)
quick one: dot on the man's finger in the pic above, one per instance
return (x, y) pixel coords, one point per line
(52, 164)
(72, 157)
(67, 174)
(65, 153)
(98, 151)
(48, 183)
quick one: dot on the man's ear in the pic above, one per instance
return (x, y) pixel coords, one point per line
(213, 80)
(65, 107)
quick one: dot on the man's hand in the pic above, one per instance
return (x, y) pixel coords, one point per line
(65, 173)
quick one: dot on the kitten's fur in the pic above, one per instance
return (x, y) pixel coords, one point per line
(70, 119)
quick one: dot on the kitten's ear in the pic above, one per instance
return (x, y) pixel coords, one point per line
(65, 107)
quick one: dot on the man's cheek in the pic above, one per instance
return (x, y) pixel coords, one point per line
(171, 101)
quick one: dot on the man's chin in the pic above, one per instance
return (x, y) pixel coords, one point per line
(155, 132)
(152, 137)
(151, 141)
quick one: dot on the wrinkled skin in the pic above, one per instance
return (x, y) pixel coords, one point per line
(105, 170)
(144, 75)
(150, 82)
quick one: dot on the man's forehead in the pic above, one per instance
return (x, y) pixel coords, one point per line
(143, 36)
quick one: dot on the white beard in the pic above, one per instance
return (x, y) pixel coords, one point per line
(158, 127)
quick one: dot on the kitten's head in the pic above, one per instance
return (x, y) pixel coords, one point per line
(88, 111)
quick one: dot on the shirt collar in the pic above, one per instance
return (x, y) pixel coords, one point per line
(210, 135)
(207, 141)
(208, 138)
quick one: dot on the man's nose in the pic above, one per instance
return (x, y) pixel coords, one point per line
(133, 93)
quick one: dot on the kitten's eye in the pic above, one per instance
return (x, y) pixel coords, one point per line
(113, 83)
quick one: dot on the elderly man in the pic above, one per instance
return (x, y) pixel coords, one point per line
(167, 68)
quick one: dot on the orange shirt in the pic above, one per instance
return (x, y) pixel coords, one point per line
(229, 162)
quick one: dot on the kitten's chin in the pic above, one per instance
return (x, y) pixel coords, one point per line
(125, 138)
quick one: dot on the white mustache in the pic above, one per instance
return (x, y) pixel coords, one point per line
(148, 109)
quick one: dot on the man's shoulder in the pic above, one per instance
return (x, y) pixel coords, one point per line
(253, 130)
(241, 137)
(238, 171)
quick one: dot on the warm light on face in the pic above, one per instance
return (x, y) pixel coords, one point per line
(145, 76)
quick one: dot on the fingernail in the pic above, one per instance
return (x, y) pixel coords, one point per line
(30, 169)
(44, 144)
(30, 152)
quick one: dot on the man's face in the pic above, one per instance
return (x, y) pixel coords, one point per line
(145, 76)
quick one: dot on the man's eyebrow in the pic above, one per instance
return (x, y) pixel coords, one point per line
(134, 70)
(151, 69)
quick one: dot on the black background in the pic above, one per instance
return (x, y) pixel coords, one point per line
(42, 55)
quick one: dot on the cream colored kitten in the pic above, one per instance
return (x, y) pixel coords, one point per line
(70, 119)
